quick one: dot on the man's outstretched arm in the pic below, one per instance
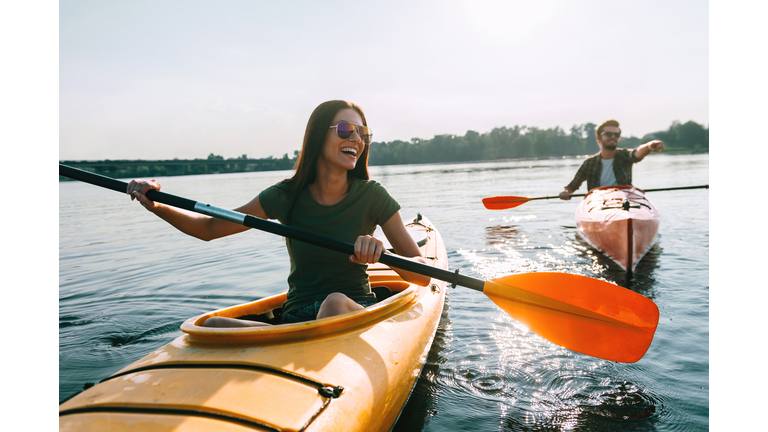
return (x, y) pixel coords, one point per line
(645, 149)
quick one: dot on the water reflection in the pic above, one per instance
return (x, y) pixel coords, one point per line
(511, 379)
(531, 383)
(502, 234)
(642, 280)
(515, 248)
(422, 405)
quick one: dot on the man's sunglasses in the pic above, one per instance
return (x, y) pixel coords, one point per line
(612, 134)
(344, 130)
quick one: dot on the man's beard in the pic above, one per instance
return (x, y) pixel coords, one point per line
(611, 146)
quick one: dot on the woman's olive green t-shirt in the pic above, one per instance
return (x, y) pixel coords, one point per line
(316, 271)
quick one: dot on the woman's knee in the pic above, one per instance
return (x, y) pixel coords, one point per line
(335, 304)
(336, 300)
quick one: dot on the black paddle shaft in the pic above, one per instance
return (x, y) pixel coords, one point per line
(275, 228)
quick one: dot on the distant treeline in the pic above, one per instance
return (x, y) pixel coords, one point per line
(500, 143)
(528, 142)
(175, 167)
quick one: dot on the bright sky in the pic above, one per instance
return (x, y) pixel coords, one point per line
(164, 79)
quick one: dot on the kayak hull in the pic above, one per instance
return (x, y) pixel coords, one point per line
(350, 372)
(620, 222)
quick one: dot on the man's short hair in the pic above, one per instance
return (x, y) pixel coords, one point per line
(607, 123)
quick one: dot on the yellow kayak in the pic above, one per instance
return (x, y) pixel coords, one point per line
(350, 372)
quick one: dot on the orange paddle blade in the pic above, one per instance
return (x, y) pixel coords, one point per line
(582, 314)
(504, 202)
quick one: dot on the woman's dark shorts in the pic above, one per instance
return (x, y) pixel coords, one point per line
(309, 312)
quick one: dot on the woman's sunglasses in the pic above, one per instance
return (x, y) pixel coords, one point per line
(612, 134)
(344, 130)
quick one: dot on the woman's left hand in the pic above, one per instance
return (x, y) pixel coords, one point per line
(368, 250)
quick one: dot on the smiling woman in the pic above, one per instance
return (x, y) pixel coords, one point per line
(330, 193)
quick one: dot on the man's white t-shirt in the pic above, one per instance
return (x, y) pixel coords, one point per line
(608, 178)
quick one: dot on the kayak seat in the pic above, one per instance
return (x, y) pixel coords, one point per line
(273, 317)
(381, 292)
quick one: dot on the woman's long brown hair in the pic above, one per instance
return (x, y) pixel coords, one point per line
(314, 137)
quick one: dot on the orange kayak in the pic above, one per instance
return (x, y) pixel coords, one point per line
(620, 222)
(350, 372)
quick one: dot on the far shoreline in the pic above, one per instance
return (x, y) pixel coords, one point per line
(84, 163)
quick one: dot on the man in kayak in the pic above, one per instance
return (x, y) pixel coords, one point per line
(612, 166)
(330, 193)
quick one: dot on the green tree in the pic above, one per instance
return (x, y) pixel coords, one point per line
(592, 145)
(692, 135)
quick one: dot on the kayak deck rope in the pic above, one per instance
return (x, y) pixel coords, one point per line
(321, 387)
(327, 391)
(621, 203)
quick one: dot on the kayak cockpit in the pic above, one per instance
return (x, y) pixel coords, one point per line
(274, 316)
(399, 295)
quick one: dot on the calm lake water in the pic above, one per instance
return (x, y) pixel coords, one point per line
(127, 281)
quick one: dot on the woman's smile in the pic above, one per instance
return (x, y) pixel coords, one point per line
(350, 150)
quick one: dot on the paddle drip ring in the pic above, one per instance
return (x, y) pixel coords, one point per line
(456, 272)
